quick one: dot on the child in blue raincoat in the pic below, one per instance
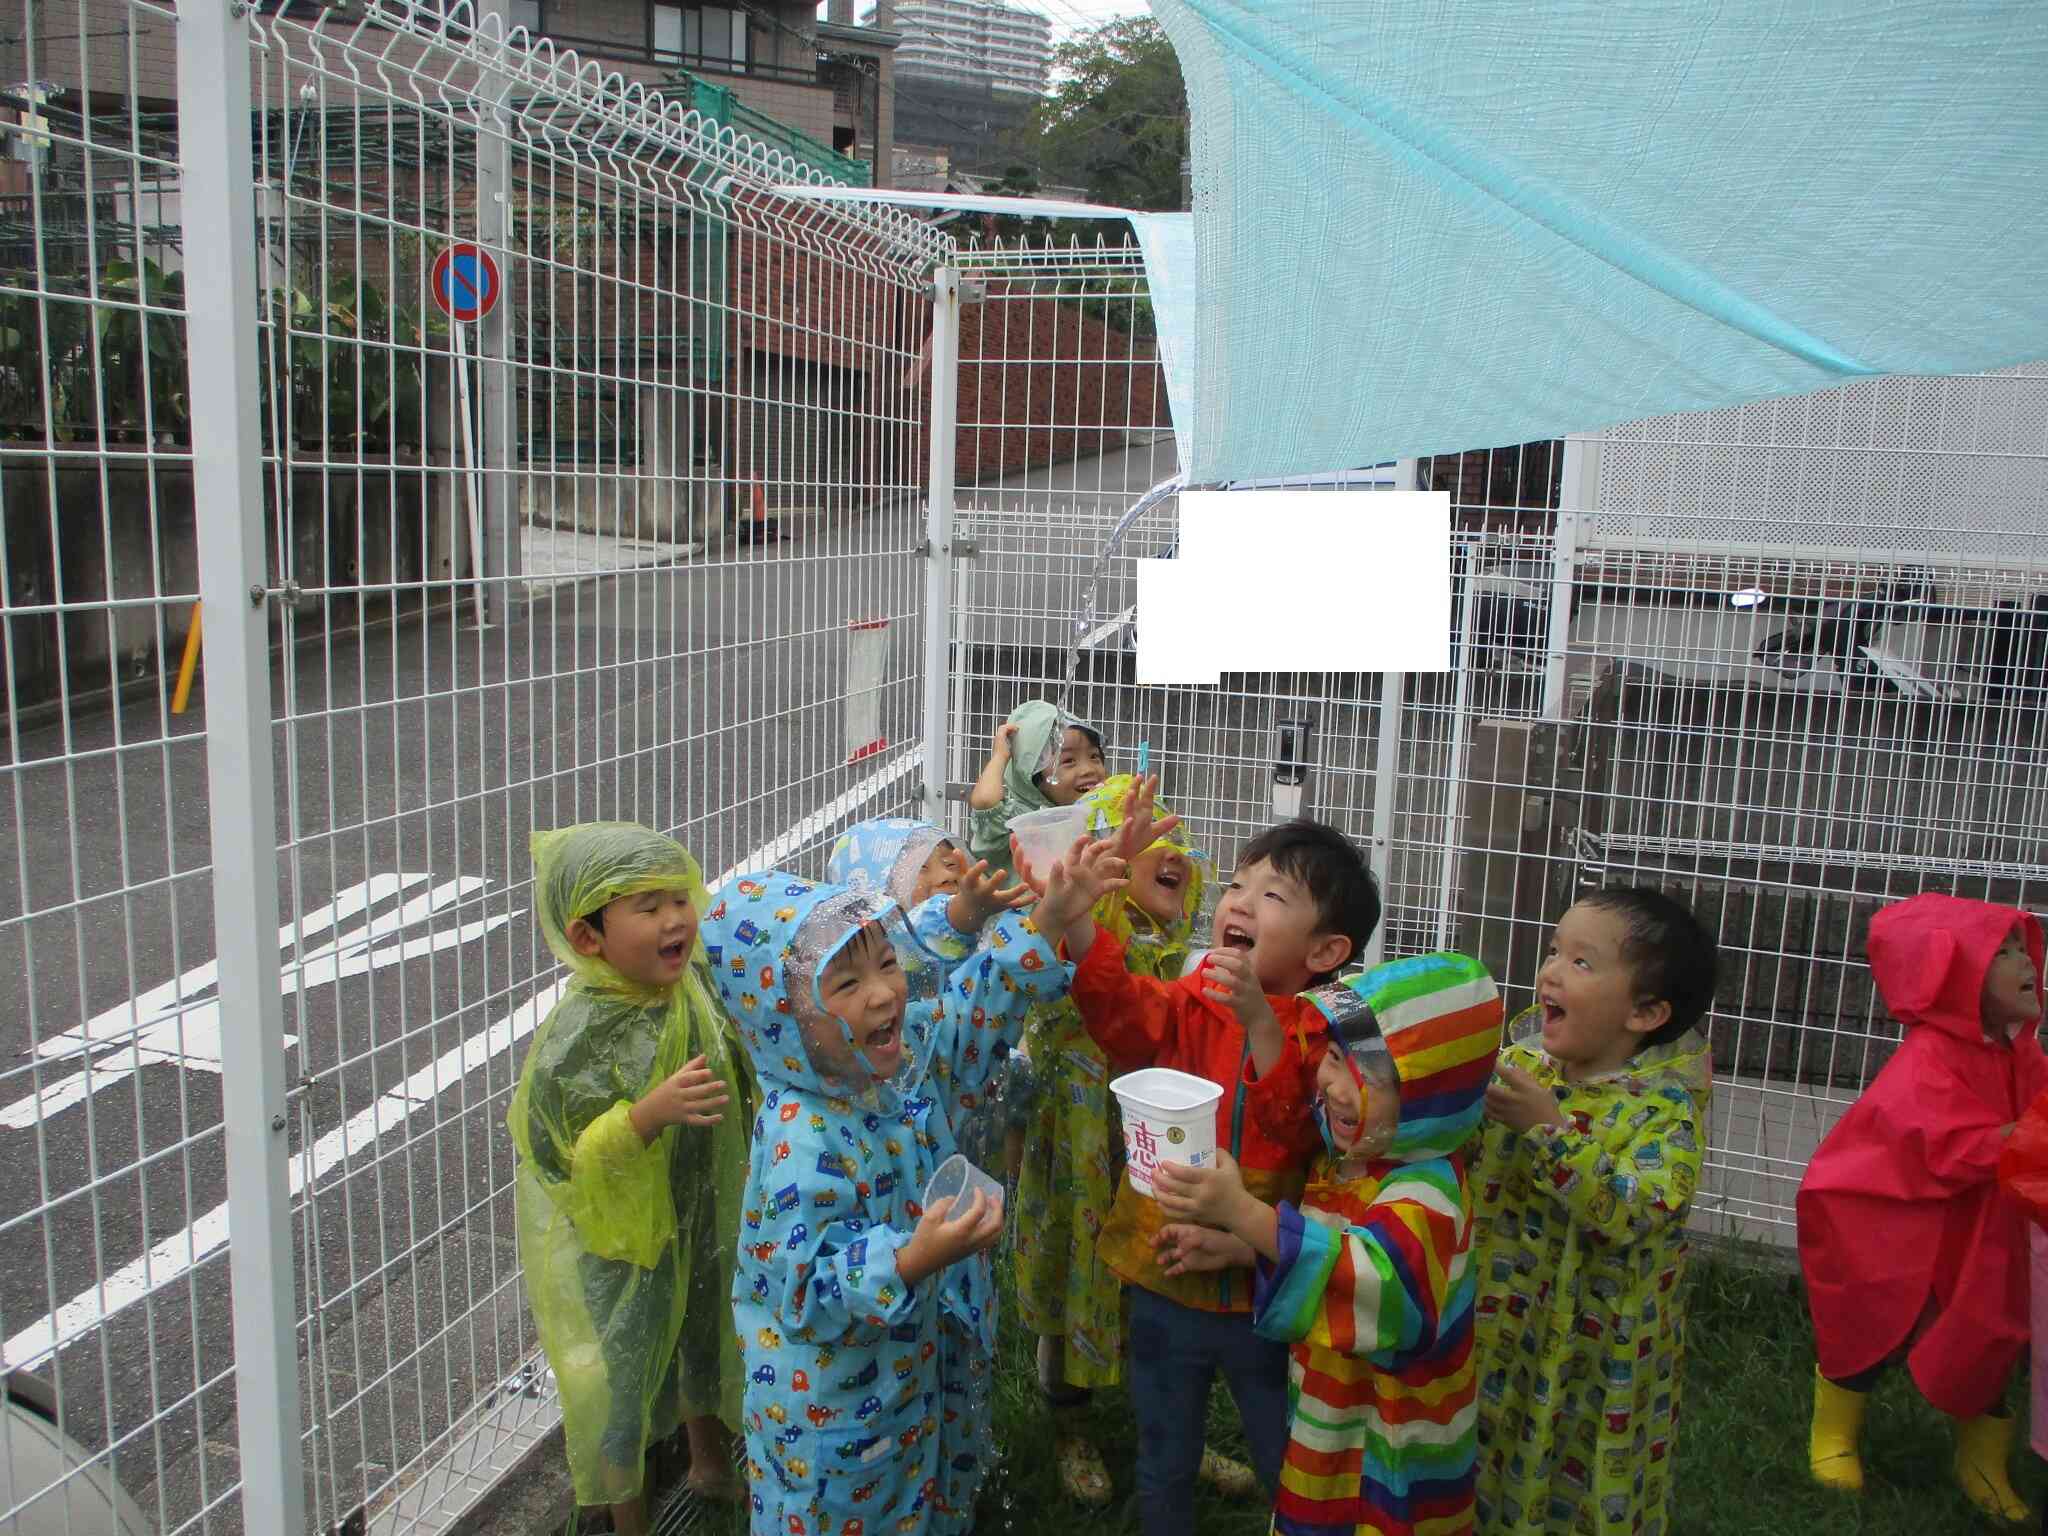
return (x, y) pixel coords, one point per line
(947, 904)
(843, 1275)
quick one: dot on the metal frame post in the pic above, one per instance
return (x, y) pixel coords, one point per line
(1580, 472)
(1386, 784)
(501, 563)
(227, 458)
(938, 532)
(1464, 557)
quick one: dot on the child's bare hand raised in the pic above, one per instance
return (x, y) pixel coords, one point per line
(1228, 978)
(1184, 1249)
(944, 1239)
(1212, 1196)
(1005, 742)
(692, 1096)
(982, 895)
(1519, 1102)
(1141, 828)
(1089, 872)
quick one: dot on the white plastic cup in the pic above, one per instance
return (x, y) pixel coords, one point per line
(1047, 835)
(957, 1180)
(1169, 1117)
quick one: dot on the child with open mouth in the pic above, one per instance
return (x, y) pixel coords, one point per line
(1369, 1277)
(862, 1313)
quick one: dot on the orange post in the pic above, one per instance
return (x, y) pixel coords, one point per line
(183, 695)
(760, 504)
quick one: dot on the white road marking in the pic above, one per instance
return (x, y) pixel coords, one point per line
(173, 1025)
(172, 1258)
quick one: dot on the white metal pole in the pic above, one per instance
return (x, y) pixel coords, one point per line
(220, 228)
(472, 476)
(501, 559)
(938, 529)
(1464, 558)
(1386, 783)
(1581, 473)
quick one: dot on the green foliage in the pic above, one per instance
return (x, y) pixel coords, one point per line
(354, 366)
(1117, 121)
(74, 370)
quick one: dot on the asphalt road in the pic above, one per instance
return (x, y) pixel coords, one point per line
(414, 759)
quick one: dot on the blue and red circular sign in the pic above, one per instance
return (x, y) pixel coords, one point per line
(465, 282)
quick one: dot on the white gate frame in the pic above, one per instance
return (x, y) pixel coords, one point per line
(219, 178)
(938, 551)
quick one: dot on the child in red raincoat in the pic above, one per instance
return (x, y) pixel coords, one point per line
(2023, 1173)
(1910, 1248)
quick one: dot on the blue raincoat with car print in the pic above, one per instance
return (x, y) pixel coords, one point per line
(855, 1419)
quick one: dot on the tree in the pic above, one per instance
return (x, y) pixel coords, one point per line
(1117, 122)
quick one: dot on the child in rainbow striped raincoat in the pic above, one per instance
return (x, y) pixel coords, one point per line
(1370, 1277)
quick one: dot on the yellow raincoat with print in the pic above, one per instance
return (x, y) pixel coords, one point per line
(1073, 1138)
(627, 1248)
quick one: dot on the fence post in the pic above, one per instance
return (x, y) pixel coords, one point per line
(1581, 471)
(1386, 801)
(501, 560)
(227, 449)
(938, 532)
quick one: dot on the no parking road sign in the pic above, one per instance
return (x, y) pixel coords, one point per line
(465, 282)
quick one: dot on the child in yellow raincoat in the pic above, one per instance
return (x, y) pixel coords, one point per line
(1584, 1177)
(630, 1121)
(1074, 1153)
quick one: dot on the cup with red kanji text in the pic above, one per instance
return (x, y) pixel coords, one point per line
(1169, 1117)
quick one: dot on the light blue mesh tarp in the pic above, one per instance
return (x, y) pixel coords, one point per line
(1425, 227)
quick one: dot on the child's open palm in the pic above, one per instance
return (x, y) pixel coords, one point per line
(692, 1096)
(1141, 828)
(982, 895)
(1089, 872)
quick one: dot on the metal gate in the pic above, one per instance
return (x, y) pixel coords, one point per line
(268, 958)
(1783, 661)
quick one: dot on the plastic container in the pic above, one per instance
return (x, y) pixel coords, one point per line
(957, 1180)
(1169, 1117)
(1048, 834)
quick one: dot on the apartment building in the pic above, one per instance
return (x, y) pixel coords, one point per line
(972, 42)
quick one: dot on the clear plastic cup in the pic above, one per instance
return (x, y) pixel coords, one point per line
(1047, 835)
(957, 1180)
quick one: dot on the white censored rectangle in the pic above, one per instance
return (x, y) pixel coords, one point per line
(1299, 581)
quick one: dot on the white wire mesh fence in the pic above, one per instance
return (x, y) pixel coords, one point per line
(1785, 661)
(640, 543)
(649, 540)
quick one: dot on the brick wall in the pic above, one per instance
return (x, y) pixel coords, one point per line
(1049, 371)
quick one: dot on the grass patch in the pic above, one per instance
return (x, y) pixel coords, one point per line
(1742, 1446)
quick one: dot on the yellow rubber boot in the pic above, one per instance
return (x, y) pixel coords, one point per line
(1983, 1450)
(1837, 1425)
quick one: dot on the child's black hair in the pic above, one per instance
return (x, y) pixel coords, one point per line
(1669, 951)
(1325, 863)
(1094, 740)
(595, 917)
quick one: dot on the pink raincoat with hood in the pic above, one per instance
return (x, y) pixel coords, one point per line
(1906, 1239)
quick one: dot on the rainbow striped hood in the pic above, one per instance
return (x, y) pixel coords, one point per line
(1423, 1032)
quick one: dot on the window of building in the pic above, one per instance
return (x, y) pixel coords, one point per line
(700, 34)
(524, 13)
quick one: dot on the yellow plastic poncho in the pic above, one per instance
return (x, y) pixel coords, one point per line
(627, 1248)
(1073, 1142)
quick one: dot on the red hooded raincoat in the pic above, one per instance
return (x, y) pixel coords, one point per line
(1900, 1214)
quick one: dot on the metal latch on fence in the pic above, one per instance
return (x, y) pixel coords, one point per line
(960, 549)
